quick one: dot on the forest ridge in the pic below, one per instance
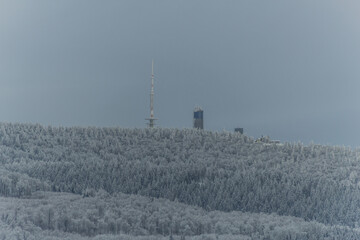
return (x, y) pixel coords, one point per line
(207, 172)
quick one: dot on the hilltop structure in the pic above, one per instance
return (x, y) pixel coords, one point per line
(198, 118)
(152, 119)
(239, 130)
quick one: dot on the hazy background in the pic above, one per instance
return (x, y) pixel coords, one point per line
(288, 69)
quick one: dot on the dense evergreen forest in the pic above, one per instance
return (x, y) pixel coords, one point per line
(113, 183)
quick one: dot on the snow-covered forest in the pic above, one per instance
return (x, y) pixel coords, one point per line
(113, 183)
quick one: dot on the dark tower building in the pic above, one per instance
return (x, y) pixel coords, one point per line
(198, 118)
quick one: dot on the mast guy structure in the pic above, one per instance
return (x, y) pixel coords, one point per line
(152, 119)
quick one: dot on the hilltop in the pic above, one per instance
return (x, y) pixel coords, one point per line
(212, 175)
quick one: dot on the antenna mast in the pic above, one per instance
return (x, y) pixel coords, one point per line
(152, 119)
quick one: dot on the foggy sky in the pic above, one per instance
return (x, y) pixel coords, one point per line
(287, 69)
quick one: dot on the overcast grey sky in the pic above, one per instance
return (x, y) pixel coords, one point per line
(288, 69)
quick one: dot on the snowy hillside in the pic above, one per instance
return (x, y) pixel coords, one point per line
(106, 217)
(217, 185)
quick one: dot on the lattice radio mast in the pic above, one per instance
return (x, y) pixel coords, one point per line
(152, 119)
